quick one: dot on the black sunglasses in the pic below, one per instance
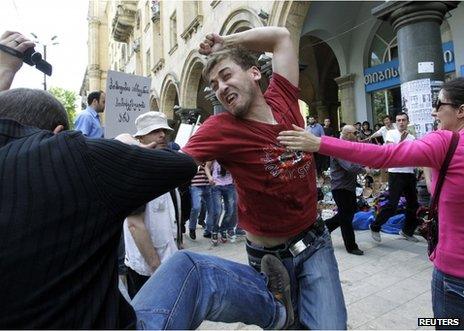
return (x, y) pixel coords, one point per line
(437, 104)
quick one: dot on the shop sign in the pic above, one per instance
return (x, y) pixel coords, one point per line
(382, 76)
(386, 75)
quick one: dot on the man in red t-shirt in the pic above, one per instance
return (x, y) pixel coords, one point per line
(276, 187)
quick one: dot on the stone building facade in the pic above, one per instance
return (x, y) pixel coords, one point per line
(344, 48)
(159, 39)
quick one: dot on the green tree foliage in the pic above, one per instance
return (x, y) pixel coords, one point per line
(379, 108)
(68, 99)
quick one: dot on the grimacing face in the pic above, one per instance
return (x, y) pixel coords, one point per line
(234, 87)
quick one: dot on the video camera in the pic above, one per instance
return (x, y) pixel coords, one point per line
(31, 57)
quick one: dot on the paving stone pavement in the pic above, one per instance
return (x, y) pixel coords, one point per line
(386, 288)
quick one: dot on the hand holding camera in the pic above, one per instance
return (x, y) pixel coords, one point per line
(15, 49)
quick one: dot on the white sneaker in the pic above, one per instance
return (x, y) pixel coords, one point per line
(409, 238)
(375, 235)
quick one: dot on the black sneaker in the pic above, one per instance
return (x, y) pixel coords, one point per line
(207, 234)
(192, 234)
(214, 239)
(279, 284)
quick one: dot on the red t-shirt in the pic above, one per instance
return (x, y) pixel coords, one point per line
(276, 188)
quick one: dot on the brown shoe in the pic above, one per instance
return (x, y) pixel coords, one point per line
(279, 284)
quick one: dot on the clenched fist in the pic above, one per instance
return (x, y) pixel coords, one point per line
(212, 43)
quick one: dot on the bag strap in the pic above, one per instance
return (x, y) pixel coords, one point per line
(443, 170)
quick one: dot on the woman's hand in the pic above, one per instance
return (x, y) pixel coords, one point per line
(299, 140)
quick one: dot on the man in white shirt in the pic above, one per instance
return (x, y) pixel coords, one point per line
(149, 234)
(401, 181)
(382, 132)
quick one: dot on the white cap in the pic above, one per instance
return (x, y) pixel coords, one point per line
(150, 121)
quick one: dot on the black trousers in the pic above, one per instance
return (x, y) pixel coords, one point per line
(135, 282)
(399, 184)
(319, 160)
(346, 204)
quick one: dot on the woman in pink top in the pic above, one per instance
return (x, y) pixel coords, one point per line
(430, 151)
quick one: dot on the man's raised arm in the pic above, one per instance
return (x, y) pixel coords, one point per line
(264, 39)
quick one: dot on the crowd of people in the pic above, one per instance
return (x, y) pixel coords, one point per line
(69, 197)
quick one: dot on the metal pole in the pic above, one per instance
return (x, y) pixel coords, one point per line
(45, 58)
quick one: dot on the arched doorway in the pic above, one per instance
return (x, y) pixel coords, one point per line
(318, 69)
(169, 96)
(193, 87)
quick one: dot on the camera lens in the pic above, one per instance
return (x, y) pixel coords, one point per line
(36, 57)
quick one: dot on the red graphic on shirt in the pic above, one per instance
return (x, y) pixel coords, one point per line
(284, 164)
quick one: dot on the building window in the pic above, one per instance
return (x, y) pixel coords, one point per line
(173, 32)
(384, 47)
(148, 63)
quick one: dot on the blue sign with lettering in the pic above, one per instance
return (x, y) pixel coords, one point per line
(382, 76)
(386, 75)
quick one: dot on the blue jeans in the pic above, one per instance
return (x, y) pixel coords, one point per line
(197, 193)
(227, 194)
(189, 288)
(317, 294)
(448, 297)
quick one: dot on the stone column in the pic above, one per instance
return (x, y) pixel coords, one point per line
(417, 26)
(94, 60)
(211, 97)
(346, 97)
(420, 54)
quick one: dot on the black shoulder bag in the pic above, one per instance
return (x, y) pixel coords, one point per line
(429, 229)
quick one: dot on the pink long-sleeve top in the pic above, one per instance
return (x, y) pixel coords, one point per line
(429, 151)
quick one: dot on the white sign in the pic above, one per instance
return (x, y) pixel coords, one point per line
(127, 97)
(425, 67)
(416, 99)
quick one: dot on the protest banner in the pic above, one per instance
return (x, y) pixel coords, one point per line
(127, 97)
